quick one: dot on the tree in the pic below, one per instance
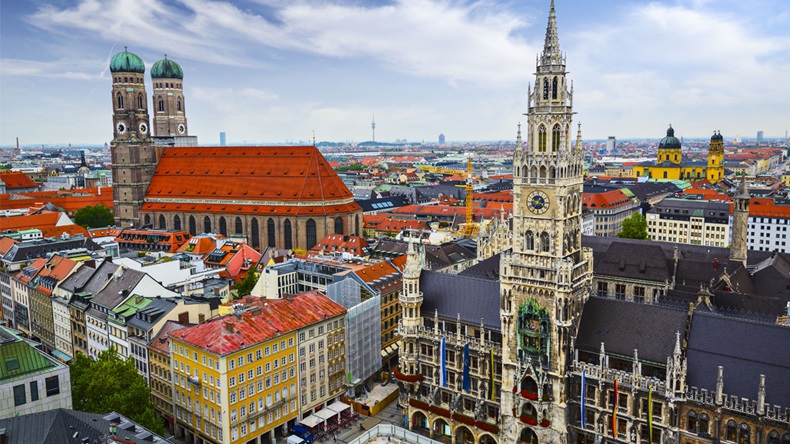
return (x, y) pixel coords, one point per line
(635, 227)
(95, 216)
(111, 383)
(245, 287)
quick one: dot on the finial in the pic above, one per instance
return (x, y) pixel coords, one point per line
(165, 56)
(125, 48)
(313, 137)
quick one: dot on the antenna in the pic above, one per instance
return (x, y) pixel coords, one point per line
(373, 126)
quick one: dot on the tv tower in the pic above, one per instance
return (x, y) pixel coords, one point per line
(373, 126)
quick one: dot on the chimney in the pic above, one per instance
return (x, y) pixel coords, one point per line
(230, 327)
(183, 318)
(201, 318)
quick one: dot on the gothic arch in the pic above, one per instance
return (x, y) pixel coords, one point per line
(147, 219)
(255, 233)
(206, 225)
(542, 138)
(485, 438)
(176, 223)
(419, 419)
(192, 226)
(542, 172)
(555, 137)
(223, 226)
(552, 172)
(161, 104)
(120, 101)
(529, 385)
(239, 226)
(178, 104)
(463, 435)
(162, 222)
(140, 101)
(545, 242)
(440, 425)
(554, 89)
(529, 239)
(287, 234)
(338, 225)
(545, 89)
(270, 234)
(534, 173)
(311, 233)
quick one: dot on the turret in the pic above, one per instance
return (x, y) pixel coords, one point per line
(740, 223)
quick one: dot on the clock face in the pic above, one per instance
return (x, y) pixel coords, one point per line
(538, 202)
(143, 128)
(121, 127)
(181, 128)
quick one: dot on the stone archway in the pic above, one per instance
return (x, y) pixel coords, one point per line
(485, 438)
(463, 435)
(441, 428)
(528, 436)
(419, 421)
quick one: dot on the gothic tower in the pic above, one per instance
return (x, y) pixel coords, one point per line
(133, 158)
(169, 107)
(740, 223)
(411, 302)
(546, 276)
(715, 170)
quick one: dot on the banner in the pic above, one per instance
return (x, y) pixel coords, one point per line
(650, 413)
(614, 409)
(443, 364)
(584, 395)
(467, 379)
(491, 372)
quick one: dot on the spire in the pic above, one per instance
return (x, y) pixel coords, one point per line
(519, 144)
(742, 191)
(579, 138)
(551, 48)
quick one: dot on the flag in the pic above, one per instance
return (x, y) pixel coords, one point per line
(614, 409)
(650, 413)
(467, 379)
(491, 371)
(584, 393)
(443, 363)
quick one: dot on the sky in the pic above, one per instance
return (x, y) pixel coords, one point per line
(277, 71)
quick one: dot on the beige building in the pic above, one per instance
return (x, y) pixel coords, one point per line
(697, 222)
(609, 210)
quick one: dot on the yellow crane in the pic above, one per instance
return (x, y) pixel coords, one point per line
(470, 227)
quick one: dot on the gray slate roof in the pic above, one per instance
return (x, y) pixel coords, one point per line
(452, 295)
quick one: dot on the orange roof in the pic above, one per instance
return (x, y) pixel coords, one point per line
(766, 207)
(609, 199)
(5, 244)
(24, 222)
(445, 211)
(105, 232)
(161, 342)
(256, 174)
(382, 222)
(38, 264)
(69, 200)
(71, 230)
(498, 196)
(374, 276)
(269, 319)
(17, 180)
(58, 268)
(341, 243)
(201, 245)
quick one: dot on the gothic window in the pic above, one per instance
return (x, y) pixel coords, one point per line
(773, 437)
(176, 223)
(161, 104)
(545, 89)
(554, 89)
(704, 422)
(356, 225)
(530, 241)
(533, 173)
(691, 421)
(542, 138)
(339, 225)
(544, 242)
(271, 238)
(223, 226)
(311, 232)
(206, 225)
(178, 104)
(731, 433)
(543, 172)
(287, 234)
(120, 101)
(147, 220)
(239, 226)
(555, 138)
(552, 173)
(256, 242)
(140, 102)
(162, 223)
(192, 226)
(744, 434)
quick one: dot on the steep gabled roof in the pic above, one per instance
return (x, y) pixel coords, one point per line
(470, 298)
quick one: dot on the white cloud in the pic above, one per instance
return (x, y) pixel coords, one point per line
(63, 69)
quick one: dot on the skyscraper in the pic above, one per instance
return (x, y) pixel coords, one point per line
(442, 140)
(760, 136)
(222, 140)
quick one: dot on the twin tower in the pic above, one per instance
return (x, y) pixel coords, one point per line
(136, 147)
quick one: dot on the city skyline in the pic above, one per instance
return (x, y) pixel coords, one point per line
(273, 71)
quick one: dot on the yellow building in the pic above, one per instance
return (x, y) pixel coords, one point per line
(671, 166)
(235, 378)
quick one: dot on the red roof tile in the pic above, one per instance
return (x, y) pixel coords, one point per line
(609, 199)
(17, 180)
(341, 243)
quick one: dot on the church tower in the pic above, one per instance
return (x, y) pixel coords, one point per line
(546, 276)
(715, 170)
(740, 222)
(411, 301)
(169, 106)
(133, 158)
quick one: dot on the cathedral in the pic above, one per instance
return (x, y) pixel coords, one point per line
(277, 196)
(558, 338)
(670, 164)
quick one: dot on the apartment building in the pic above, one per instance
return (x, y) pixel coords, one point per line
(768, 225)
(696, 222)
(609, 209)
(160, 370)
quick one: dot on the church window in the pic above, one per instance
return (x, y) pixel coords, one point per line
(176, 223)
(270, 232)
(192, 227)
(356, 225)
(311, 233)
(545, 89)
(287, 234)
(140, 102)
(162, 222)
(744, 434)
(120, 101)
(178, 104)
(256, 242)
(554, 89)
(529, 241)
(691, 421)
(555, 138)
(339, 225)
(665, 174)
(544, 242)
(704, 422)
(147, 219)
(223, 226)
(542, 138)
(239, 226)
(731, 433)
(773, 437)
(206, 225)
(161, 104)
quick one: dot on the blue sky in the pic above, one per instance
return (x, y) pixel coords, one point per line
(272, 71)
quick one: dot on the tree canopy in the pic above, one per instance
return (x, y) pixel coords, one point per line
(95, 216)
(244, 287)
(635, 227)
(109, 384)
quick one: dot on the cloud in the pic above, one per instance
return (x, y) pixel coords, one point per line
(58, 69)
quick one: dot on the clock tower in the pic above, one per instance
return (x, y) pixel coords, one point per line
(131, 149)
(546, 276)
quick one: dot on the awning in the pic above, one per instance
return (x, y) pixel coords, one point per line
(338, 406)
(389, 351)
(61, 356)
(325, 414)
(311, 421)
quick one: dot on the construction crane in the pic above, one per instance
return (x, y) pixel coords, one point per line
(470, 227)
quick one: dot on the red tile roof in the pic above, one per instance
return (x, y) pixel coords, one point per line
(69, 200)
(609, 199)
(45, 221)
(161, 342)
(374, 276)
(57, 267)
(270, 319)
(5, 244)
(382, 222)
(341, 243)
(17, 180)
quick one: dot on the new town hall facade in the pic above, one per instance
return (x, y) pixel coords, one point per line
(540, 343)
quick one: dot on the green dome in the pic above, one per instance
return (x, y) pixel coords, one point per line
(166, 69)
(127, 62)
(670, 141)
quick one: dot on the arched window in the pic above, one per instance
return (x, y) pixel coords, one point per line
(223, 226)
(529, 239)
(147, 220)
(256, 241)
(545, 88)
(287, 234)
(773, 437)
(542, 138)
(178, 104)
(239, 227)
(140, 101)
(554, 89)
(339, 225)
(270, 232)
(691, 421)
(731, 432)
(544, 242)
(704, 422)
(161, 104)
(356, 225)
(206, 225)
(744, 434)
(555, 138)
(192, 226)
(162, 223)
(311, 234)
(176, 223)
(120, 101)
(665, 174)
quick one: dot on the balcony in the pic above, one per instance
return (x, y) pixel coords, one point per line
(404, 299)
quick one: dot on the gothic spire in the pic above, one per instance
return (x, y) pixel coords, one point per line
(519, 144)
(742, 191)
(579, 138)
(551, 48)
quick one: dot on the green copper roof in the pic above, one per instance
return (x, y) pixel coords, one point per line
(166, 69)
(670, 141)
(18, 358)
(127, 62)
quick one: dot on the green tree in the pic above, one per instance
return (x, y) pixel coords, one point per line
(245, 287)
(111, 383)
(635, 227)
(95, 216)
